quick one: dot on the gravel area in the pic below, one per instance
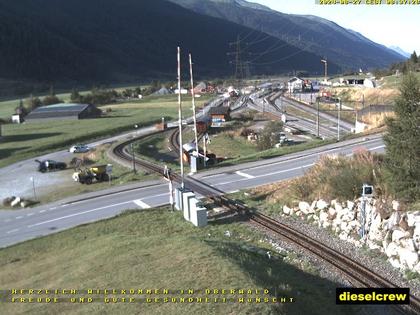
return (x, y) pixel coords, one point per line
(372, 259)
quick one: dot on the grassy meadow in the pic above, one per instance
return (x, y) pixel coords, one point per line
(29, 140)
(157, 249)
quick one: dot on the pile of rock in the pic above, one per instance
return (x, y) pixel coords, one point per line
(387, 228)
(16, 202)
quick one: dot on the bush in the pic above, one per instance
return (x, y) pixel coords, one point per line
(340, 177)
(7, 201)
(269, 135)
(51, 99)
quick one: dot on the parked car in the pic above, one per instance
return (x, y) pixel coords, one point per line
(49, 165)
(79, 148)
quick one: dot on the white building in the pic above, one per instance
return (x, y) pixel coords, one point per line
(294, 84)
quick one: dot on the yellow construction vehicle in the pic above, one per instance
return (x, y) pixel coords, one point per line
(87, 175)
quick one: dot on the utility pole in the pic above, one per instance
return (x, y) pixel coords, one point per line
(33, 186)
(338, 119)
(205, 139)
(181, 150)
(325, 62)
(133, 157)
(317, 118)
(193, 105)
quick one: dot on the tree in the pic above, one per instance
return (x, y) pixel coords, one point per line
(75, 96)
(33, 103)
(402, 141)
(269, 135)
(414, 58)
(51, 99)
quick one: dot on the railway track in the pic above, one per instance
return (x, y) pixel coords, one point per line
(355, 271)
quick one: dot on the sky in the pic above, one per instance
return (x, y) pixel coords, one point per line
(396, 25)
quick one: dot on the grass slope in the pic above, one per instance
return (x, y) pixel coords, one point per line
(30, 140)
(158, 249)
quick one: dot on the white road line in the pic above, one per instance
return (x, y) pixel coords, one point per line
(78, 213)
(19, 217)
(53, 208)
(12, 231)
(42, 211)
(311, 154)
(160, 195)
(233, 191)
(118, 193)
(29, 214)
(270, 174)
(244, 175)
(378, 147)
(141, 204)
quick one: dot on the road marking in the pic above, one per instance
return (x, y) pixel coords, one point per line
(29, 214)
(42, 211)
(160, 195)
(244, 174)
(12, 231)
(154, 187)
(233, 191)
(53, 208)
(78, 213)
(378, 147)
(141, 204)
(19, 217)
(312, 154)
(270, 174)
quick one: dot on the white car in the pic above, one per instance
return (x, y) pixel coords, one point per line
(79, 148)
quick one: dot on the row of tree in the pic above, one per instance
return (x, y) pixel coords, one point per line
(411, 64)
(403, 142)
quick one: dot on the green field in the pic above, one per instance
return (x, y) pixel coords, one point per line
(156, 249)
(29, 140)
(394, 82)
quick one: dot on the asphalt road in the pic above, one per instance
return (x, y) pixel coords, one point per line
(20, 225)
(15, 178)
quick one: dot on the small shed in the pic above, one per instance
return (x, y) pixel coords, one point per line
(162, 91)
(219, 115)
(63, 111)
(17, 118)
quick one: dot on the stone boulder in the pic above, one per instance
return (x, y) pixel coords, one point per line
(287, 210)
(332, 213)
(15, 202)
(393, 220)
(391, 250)
(399, 234)
(413, 218)
(321, 204)
(408, 258)
(304, 207)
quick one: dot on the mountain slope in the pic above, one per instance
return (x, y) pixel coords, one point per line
(108, 40)
(400, 51)
(346, 48)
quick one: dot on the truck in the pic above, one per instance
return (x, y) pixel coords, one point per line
(89, 174)
(49, 165)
